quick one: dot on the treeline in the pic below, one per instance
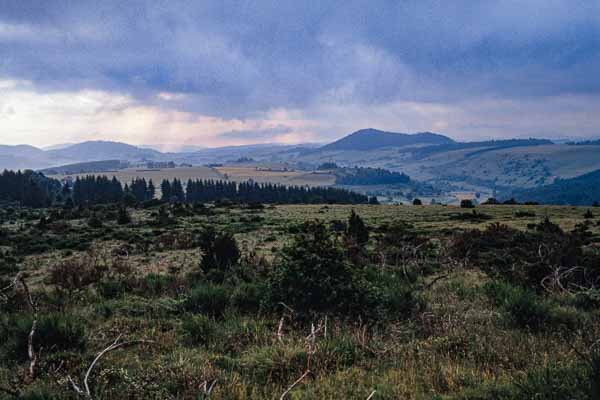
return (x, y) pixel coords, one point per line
(33, 189)
(28, 188)
(370, 176)
(585, 143)
(252, 192)
(101, 190)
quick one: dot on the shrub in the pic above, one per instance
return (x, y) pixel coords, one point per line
(588, 214)
(357, 230)
(313, 274)
(526, 310)
(123, 218)
(552, 382)
(156, 284)
(112, 288)
(417, 202)
(208, 299)
(528, 258)
(388, 295)
(55, 332)
(94, 221)
(199, 329)
(524, 214)
(473, 216)
(75, 274)
(247, 297)
(219, 253)
(467, 203)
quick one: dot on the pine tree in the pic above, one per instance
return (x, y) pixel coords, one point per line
(151, 190)
(123, 218)
(357, 230)
(165, 188)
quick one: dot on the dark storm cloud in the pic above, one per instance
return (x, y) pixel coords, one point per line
(236, 58)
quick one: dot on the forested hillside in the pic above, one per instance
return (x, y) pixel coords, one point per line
(581, 191)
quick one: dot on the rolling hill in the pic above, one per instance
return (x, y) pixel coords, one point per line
(371, 139)
(486, 166)
(102, 150)
(583, 190)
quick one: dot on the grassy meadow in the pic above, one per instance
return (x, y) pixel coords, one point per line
(233, 173)
(443, 303)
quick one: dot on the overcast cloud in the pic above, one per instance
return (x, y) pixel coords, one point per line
(236, 72)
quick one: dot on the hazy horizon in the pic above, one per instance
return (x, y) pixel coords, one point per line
(218, 73)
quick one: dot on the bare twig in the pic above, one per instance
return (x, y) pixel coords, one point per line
(290, 309)
(371, 395)
(208, 388)
(433, 282)
(280, 330)
(33, 356)
(304, 375)
(114, 346)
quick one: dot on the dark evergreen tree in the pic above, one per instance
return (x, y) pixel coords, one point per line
(151, 190)
(177, 193)
(123, 218)
(357, 230)
(165, 188)
(219, 253)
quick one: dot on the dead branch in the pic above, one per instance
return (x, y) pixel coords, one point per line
(290, 309)
(280, 330)
(33, 356)
(208, 388)
(371, 395)
(435, 280)
(304, 375)
(114, 346)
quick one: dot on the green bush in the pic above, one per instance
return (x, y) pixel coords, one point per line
(199, 329)
(112, 288)
(208, 299)
(219, 253)
(389, 295)
(154, 285)
(552, 382)
(313, 274)
(529, 311)
(55, 332)
(247, 297)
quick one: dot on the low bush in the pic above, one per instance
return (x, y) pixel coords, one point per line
(207, 298)
(55, 332)
(552, 382)
(312, 274)
(199, 329)
(247, 297)
(527, 310)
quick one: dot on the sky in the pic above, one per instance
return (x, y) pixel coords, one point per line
(213, 73)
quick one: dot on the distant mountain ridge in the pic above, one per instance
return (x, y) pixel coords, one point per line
(102, 150)
(370, 139)
(583, 190)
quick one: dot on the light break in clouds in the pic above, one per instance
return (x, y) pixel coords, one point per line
(226, 72)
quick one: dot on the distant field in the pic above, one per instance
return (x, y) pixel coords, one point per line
(278, 176)
(238, 174)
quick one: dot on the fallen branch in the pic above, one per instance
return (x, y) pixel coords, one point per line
(433, 282)
(114, 346)
(207, 389)
(280, 331)
(33, 356)
(371, 395)
(304, 375)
